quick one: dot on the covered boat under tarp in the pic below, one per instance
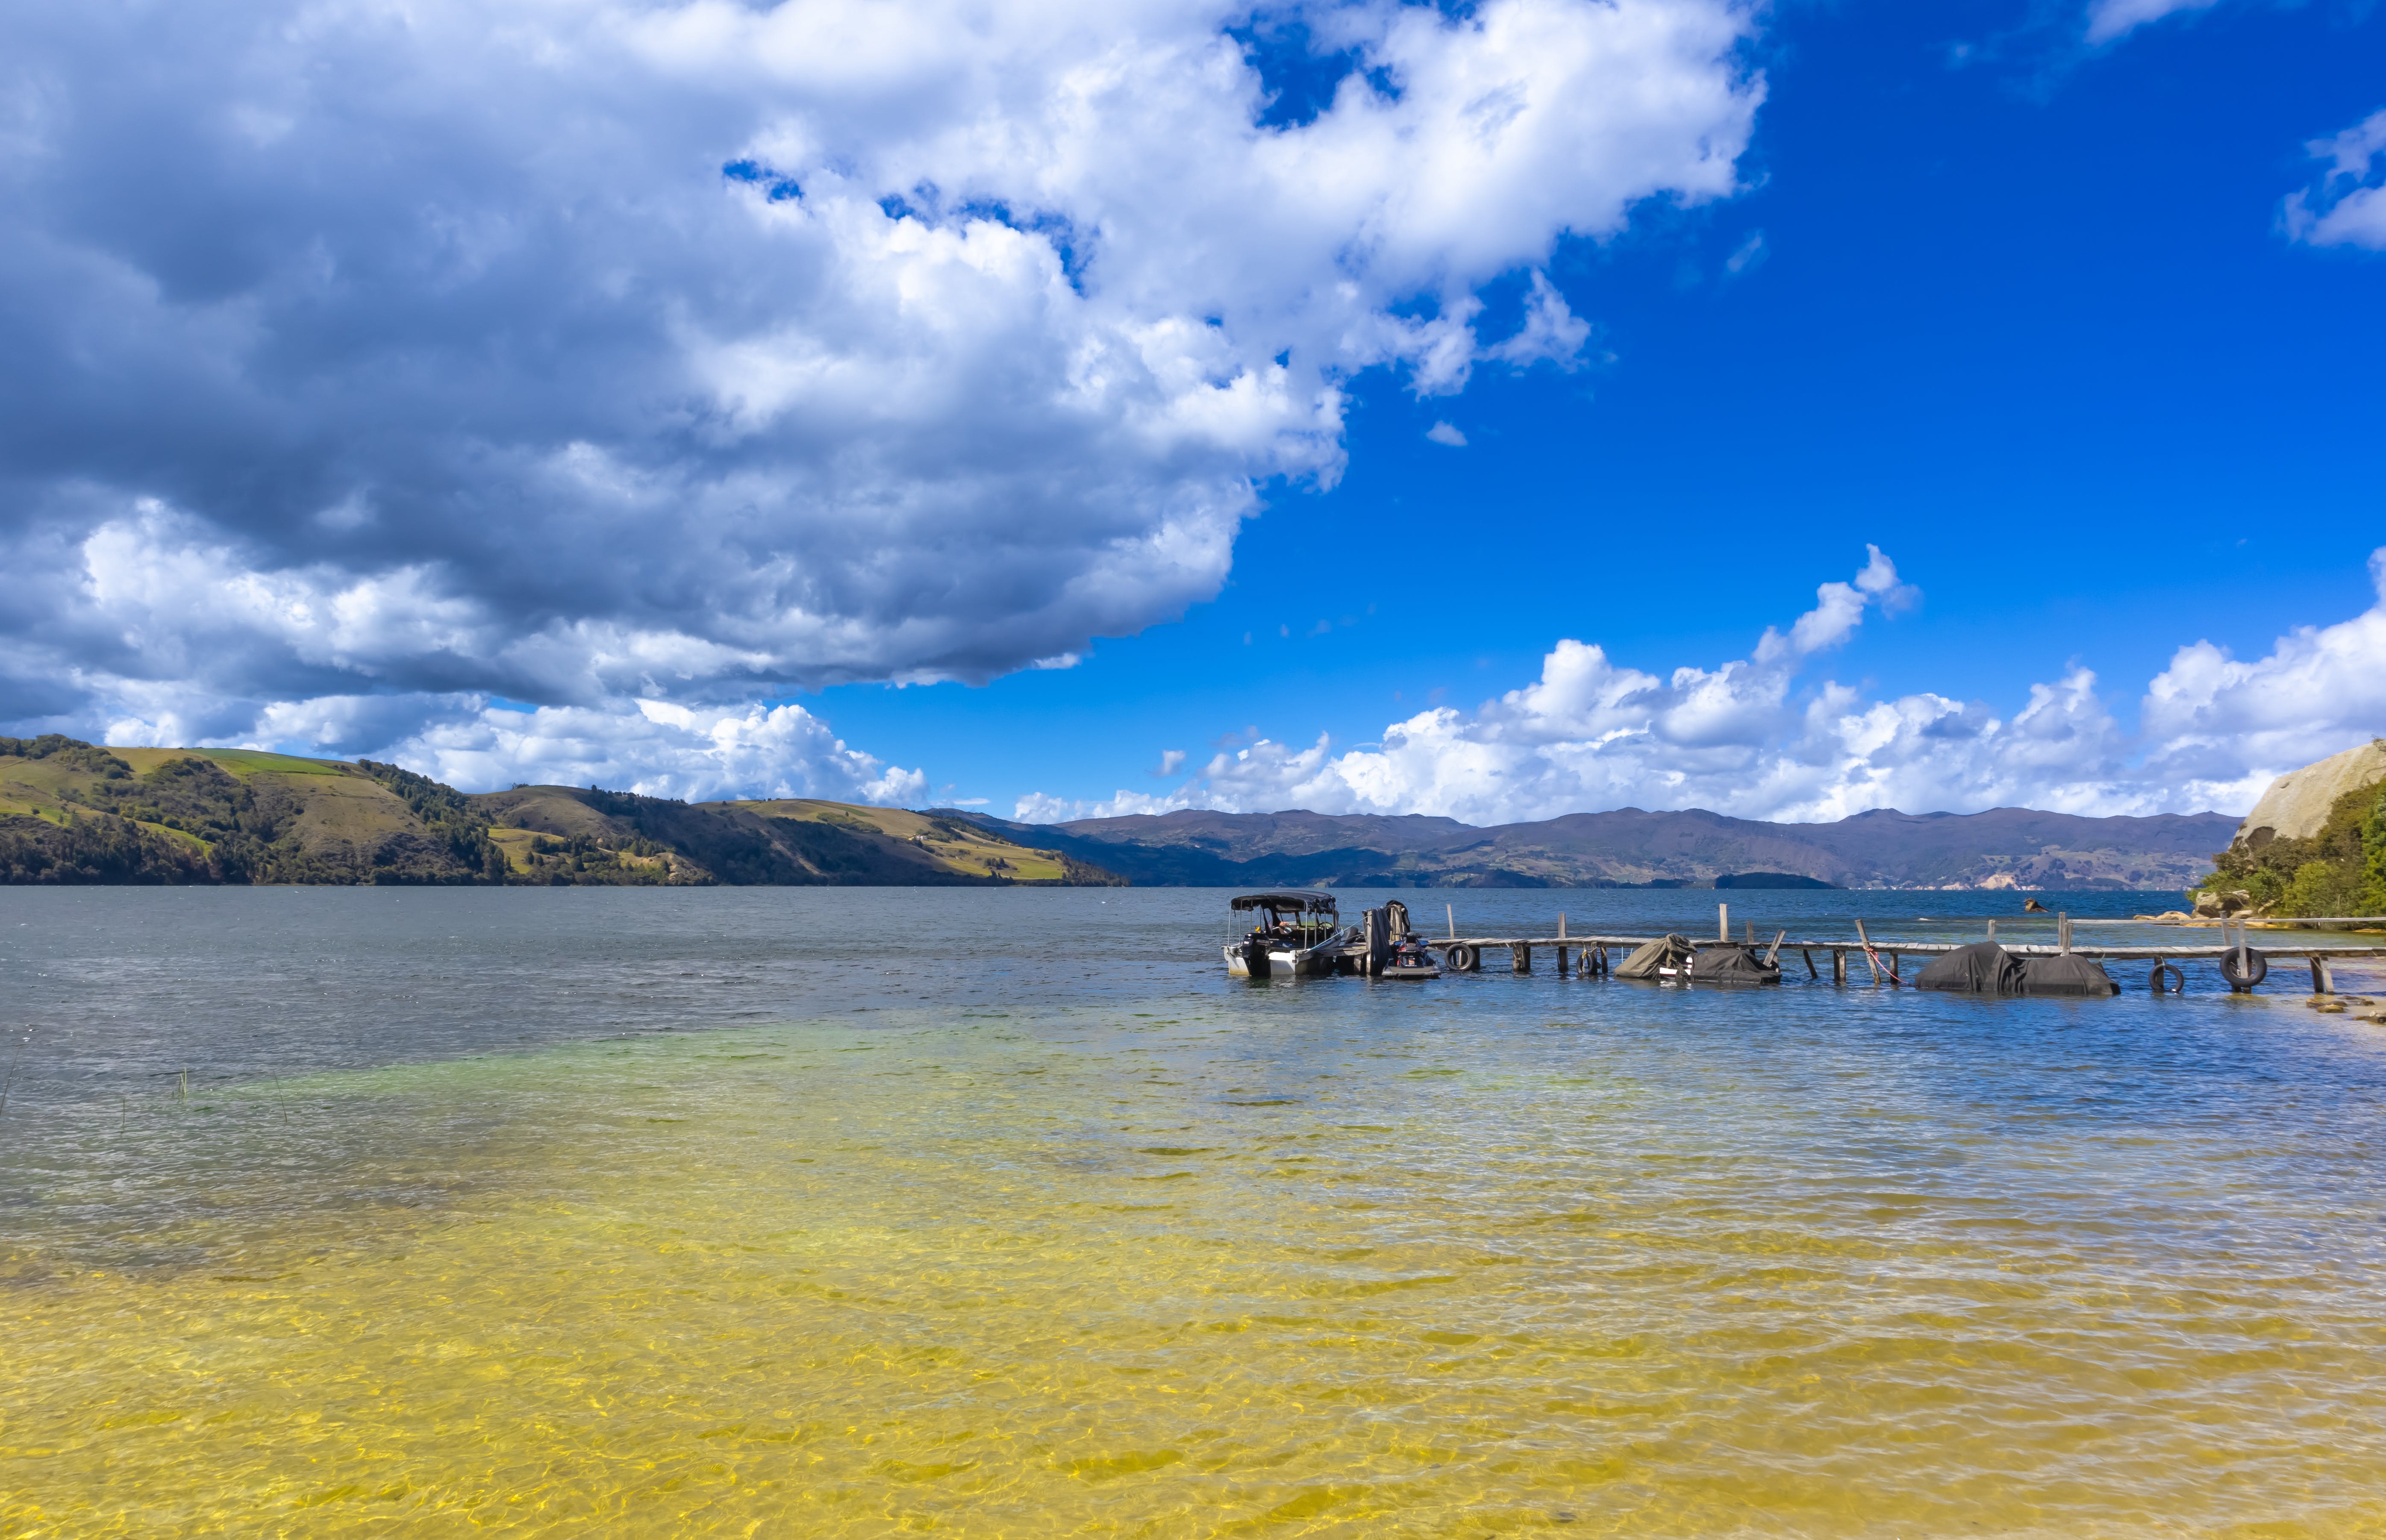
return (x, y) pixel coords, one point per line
(2068, 973)
(1731, 964)
(1983, 967)
(1666, 955)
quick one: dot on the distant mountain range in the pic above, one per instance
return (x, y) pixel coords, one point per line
(73, 812)
(2006, 847)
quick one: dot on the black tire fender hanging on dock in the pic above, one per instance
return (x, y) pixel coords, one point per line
(2178, 981)
(1460, 957)
(2243, 967)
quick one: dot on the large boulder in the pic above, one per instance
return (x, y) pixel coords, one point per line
(2297, 803)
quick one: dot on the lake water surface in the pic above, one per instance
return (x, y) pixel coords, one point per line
(861, 1212)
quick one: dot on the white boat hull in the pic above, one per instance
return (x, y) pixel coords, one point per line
(1286, 963)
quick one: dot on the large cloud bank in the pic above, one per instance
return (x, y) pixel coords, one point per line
(372, 366)
(1772, 736)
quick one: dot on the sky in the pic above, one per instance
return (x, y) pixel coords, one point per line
(1494, 411)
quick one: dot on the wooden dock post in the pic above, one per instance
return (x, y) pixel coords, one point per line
(1870, 960)
(2062, 932)
(1520, 957)
(1752, 934)
(1562, 962)
(1808, 954)
(2323, 978)
(1452, 910)
(1839, 966)
(1993, 930)
(1723, 922)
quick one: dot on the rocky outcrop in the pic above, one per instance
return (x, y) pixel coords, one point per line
(2296, 805)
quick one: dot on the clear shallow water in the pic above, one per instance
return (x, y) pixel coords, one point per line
(1006, 1213)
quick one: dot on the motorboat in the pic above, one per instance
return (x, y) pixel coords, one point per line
(1410, 959)
(1393, 951)
(1298, 934)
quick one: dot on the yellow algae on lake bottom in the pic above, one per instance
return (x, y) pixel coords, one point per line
(1159, 1281)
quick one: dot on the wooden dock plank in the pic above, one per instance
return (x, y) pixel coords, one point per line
(2268, 945)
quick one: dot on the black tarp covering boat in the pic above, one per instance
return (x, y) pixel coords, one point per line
(2066, 974)
(1667, 954)
(1732, 965)
(1983, 967)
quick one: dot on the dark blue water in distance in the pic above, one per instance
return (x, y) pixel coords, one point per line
(111, 988)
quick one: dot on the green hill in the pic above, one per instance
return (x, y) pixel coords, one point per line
(74, 812)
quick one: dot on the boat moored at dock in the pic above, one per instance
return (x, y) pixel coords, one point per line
(1299, 936)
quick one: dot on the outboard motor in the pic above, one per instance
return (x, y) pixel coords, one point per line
(1255, 957)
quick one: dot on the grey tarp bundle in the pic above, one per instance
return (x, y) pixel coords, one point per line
(2066, 974)
(1983, 967)
(1732, 965)
(1671, 951)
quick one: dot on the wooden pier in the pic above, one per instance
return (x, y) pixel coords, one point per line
(1590, 956)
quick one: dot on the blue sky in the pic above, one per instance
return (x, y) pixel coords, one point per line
(2023, 315)
(1860, 403)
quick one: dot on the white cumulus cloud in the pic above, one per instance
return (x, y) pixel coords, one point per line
(2347, 206)
(2110, 18)
(579, 353)
(1771, 736)
(657, 750)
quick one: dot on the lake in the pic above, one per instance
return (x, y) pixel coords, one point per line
(868, 1211)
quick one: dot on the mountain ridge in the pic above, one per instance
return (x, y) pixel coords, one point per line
(76, 812)
(1999, 847)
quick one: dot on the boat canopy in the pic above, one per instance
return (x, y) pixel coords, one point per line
(1298, 900)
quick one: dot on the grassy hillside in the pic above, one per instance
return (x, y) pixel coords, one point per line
(573, 833)
(73, 812)
(922, 838)
(70, 812)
